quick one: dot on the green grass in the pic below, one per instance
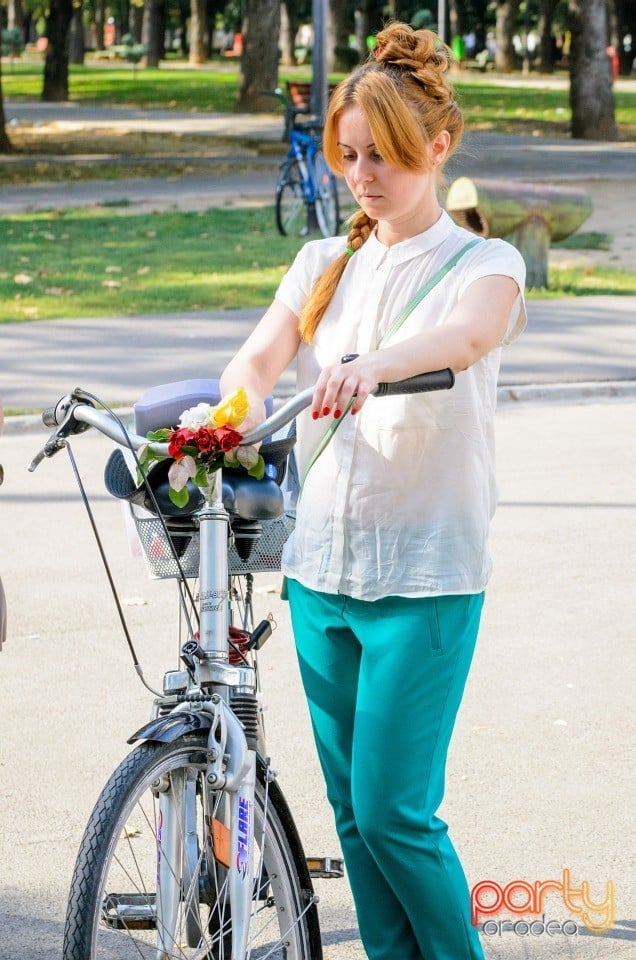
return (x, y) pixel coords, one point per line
(79, 263)
(587, 282)
(86, 264)
(486, 103)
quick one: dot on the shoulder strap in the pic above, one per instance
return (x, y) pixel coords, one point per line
(395, 326)
(426, 289)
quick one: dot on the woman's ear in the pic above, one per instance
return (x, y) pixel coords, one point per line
(439, 148)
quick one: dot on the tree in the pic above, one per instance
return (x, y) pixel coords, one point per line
(58, 22)
(198, 31)
(340, 26)
(259, 61)
(507, 11)
(153, 31)
(591, 94)
(546, 46)
(76, 35)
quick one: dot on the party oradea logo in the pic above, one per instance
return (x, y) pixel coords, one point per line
(527, 904)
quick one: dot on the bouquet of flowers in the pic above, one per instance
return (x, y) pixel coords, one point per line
(206, 439)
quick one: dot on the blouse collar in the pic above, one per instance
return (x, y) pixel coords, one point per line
(376, 253)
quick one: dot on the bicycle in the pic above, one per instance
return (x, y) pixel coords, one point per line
(191, 851)
(306, 191)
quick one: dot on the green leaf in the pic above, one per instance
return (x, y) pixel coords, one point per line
(258, 470)
(201, 476)
(179, 497)
(159, 436)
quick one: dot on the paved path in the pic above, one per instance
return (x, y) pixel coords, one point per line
(567, 341)
(537, 779)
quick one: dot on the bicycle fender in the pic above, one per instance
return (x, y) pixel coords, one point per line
(171, 727)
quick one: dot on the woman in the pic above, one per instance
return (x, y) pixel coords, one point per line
(388, 564)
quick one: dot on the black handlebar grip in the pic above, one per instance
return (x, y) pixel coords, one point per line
(48, 417)
(421, 383)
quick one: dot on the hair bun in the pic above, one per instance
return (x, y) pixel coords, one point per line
(420, 52)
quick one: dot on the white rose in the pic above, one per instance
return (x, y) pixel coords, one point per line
(196, 417)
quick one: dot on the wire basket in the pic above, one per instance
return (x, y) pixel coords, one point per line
(161, 564)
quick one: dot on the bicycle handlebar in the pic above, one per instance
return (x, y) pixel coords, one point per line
(74, 413)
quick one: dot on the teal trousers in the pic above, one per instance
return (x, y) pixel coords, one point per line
(384, 680)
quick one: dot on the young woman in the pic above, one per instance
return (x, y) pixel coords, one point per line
(388, 563)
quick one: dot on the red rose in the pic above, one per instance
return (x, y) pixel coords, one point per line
(205, 440)
(179, 439)
(227, 438)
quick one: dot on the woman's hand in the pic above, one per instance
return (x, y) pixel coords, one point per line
(338, 384)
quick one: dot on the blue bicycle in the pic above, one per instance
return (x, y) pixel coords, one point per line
(306, 192)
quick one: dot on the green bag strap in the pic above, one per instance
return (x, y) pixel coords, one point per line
(426, 289)
(395, 326)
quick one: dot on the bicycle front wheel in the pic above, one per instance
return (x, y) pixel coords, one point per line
(291, 206)
(327, 207)
(120, 908)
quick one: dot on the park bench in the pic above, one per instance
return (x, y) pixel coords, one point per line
(528, 215)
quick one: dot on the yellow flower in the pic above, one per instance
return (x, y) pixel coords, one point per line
(231, 411)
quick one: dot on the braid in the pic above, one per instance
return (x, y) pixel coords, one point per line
(325, 286)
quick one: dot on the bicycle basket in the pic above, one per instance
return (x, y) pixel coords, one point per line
(161, 564)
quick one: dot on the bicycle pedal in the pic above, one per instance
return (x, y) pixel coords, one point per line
(129, 911)
(327, 868)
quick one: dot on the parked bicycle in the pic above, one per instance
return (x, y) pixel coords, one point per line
(306, 192)
(191, 852)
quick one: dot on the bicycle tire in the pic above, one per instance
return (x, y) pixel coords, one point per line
(112, 908)
(291, 205)
(327, 205)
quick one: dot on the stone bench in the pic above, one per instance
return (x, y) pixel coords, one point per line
(528, 215)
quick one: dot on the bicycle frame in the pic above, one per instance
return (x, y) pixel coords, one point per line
(303, 147)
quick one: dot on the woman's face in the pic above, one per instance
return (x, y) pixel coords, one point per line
(404, 202)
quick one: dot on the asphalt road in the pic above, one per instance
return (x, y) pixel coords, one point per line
(539, 775)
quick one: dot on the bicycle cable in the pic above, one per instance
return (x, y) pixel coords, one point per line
(184, 585)
(122, 618)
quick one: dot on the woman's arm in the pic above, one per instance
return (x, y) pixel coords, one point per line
(266, 353)
(476, 325)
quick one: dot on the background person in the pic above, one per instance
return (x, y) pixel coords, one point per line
(388, 562)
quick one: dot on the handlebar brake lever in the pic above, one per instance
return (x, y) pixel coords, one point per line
(61, 414)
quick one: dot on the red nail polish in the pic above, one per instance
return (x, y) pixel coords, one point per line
(337, 413)
(325, 411)
(315, 415)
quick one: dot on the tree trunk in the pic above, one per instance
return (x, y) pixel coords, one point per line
(15, 15)
(135, 21)
(546, 44)
(339, 29)
(198, 31)
(259, 61)
(457, 18)
(100, 20)
(5, 144)
(152, 33)
(58, 23)
(505, 28)
(591, 94)
(288, 29)
(76, 37)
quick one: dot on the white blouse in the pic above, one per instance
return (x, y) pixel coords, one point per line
(400, 500)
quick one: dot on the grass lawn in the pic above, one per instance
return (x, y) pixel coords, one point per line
(486, 104)
(81, 263)
(77, 263)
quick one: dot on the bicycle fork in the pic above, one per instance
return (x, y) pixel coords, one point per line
(231, 767)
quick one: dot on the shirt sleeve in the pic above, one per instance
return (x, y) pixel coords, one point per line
(497, 257)
(310, 263)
